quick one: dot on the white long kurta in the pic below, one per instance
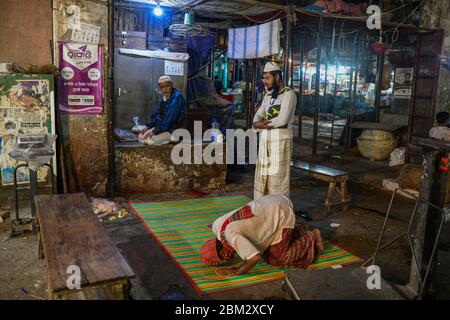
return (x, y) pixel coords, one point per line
(272, 175)
(252, 236)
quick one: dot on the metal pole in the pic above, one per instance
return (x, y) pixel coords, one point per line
(110, 112)
(317, 96)
(33, 192)
(253, 100)
(355, 81)
(351, 98)
(380, 60)
(324, 100)
(300, 122)
(334, 101)
(247, 93)
(292, 60)
(287, 48)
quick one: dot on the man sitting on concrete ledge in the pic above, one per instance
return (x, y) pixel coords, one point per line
(265, 227)
(167, 117)
(441, 131)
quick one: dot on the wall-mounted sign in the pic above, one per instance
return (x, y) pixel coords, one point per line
(26, 107)
(172, 68)
(86, 33)
(80, 82)
(403, 82)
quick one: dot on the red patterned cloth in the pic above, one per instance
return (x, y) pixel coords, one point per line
(297, 249)
(209, 252)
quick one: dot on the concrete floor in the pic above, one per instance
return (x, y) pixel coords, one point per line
(158, 278)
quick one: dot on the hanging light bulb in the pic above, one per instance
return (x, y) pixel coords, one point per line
(158, 11)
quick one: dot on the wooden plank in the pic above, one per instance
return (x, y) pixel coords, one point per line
(433, 143)
(321, 170)
(72, 235)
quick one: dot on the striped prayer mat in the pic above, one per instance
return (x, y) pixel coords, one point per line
(181, 227)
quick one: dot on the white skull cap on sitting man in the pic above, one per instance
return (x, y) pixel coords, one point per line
(271, 66)
(163, 79)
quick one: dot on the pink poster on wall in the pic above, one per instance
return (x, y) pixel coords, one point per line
(80, 87)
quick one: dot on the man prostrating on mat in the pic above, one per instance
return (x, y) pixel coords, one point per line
(263, 228)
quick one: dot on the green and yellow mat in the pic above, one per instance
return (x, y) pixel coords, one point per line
(181, 227)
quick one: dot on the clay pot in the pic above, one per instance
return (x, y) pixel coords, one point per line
(377, 144)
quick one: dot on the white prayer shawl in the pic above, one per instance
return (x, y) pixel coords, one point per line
(249, 237)
(255, 42)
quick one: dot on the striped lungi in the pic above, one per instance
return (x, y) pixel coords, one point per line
(297, 249)
(272, 174)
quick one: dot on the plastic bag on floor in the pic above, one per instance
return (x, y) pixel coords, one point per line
(125, 135)
(397, 157)
(137, 128)
(104, 207)
(391, 185)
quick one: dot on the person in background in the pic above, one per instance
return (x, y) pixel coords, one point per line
(167, 117)
(218, 85)
(274, 121)
(260, 91)
(442, 130)
(264, 227)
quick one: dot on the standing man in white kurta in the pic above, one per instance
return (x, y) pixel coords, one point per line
(274, 121)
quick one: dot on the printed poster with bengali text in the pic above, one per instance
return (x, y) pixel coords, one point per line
(26, 107)
(80, 86)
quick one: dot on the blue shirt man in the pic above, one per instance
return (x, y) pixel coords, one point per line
(168, 116)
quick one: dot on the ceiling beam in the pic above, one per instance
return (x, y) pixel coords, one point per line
(193, 3)
(261, 4)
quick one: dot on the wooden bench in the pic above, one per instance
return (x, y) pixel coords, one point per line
(337, 182)
(71, 235)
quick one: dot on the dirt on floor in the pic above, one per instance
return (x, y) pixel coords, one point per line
(23, 276)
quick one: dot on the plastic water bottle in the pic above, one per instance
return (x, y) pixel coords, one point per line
(215, 130)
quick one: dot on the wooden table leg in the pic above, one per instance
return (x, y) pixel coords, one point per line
(344, 196)
(329, 198)
(119, 291)
(40, 251)
(126, 289)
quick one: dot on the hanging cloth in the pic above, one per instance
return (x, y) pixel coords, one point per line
(255, 42)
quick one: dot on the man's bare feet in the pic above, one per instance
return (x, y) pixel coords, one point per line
(319, 243)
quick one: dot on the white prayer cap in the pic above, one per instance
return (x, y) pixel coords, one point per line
(271, 66)
(165, 79)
